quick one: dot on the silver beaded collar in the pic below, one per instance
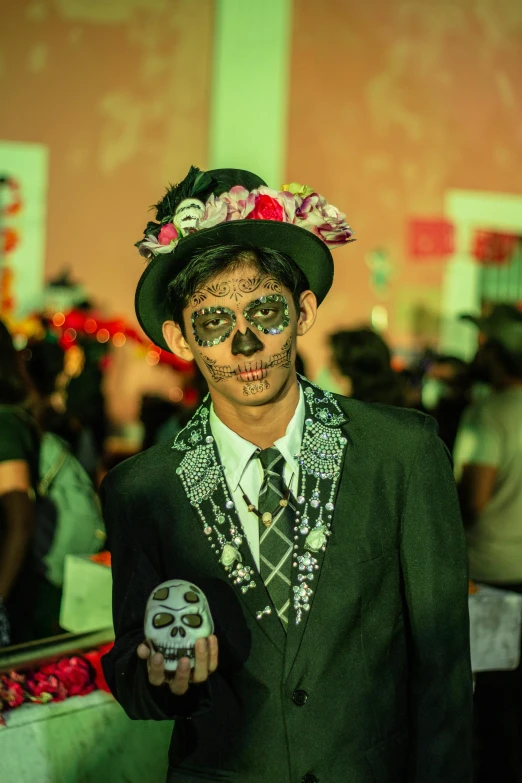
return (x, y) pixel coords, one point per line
(320, 460)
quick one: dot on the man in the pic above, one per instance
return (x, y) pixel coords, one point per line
(325, 532)
(488, 463)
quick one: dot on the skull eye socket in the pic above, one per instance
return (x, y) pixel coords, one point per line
(192, 620)
(162, 619)
(161, 594)
(191, 598)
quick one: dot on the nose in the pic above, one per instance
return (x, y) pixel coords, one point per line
(246, 343)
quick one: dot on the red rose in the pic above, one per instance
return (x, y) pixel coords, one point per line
(11, 693)
(76, 676)
(44, 682)
(267, 208)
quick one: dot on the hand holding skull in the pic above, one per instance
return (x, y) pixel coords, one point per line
(206, 661)
(179, 637)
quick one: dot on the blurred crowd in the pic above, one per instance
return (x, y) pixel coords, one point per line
(53, 431)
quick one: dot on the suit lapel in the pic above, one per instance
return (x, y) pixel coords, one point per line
(321, 460)
(203, 480)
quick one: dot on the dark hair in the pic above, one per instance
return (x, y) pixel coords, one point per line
(14, 385)
(44, 361)
(510, 361)
(362, 356)
(206, 265)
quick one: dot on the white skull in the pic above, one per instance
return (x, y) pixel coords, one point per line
(177, 614)
(188, 214)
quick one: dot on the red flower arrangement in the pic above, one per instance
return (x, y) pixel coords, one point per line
(267, 208)
(72, 676)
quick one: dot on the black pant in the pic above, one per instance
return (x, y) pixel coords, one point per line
(498, 722)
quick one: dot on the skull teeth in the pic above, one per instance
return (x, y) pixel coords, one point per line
(174, 653)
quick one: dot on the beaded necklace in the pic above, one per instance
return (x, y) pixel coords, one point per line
(320, 460)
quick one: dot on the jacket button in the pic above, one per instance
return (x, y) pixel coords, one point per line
(309, 779)
(300, 698)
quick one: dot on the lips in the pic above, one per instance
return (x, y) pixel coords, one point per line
(251, 371)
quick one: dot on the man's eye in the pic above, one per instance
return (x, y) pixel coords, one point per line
(214, 323)
(264, 312)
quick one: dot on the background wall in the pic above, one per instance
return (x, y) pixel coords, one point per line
(392, 103)
(118, 90)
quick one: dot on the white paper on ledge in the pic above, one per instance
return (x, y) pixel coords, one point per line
(495, 629)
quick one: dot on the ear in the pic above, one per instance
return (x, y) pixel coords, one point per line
(307, 312)
(176, 342)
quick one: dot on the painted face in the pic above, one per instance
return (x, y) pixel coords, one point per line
(242, 332)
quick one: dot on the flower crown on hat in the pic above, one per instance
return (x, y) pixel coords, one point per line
(181, 213)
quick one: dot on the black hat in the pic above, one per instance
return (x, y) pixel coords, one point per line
(503, 325)
(233, 207)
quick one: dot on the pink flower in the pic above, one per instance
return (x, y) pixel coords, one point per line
(216, 210)
(324, 220)
(168, 233)
(239, 205)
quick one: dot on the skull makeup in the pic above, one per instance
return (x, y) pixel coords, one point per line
(177, 614)
(188, 214)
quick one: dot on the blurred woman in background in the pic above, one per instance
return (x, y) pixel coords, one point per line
(19, 450)
(360, 366)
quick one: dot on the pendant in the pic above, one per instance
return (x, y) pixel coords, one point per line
(316, 539)
(229, 555)
(266, 519)
(283, 502)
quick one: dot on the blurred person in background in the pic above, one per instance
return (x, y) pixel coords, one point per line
(19, 451)
(446, 392)
(360, 366)
(488, 467)
(86, 404)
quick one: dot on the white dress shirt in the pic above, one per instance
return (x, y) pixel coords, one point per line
(245, 475)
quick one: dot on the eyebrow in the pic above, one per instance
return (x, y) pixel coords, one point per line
(269, 299)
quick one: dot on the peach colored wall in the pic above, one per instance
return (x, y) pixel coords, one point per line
(119, 91)
(392, 102)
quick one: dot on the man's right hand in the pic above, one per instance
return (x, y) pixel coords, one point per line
(206, 662)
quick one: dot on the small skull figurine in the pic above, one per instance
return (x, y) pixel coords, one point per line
(188, 214)
(177, 614)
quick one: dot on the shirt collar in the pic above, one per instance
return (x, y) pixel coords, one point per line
(235, 452)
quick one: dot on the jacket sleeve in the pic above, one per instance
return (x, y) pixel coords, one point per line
(435, 572)
(134, 578)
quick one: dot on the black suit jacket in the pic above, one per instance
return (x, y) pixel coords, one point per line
(374, 684)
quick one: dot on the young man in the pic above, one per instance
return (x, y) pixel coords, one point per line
(324, 532)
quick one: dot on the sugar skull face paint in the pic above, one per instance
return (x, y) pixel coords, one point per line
(268, 314)
(212, 325)
(242, 327)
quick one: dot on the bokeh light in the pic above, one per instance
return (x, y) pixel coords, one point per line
(90, 325)
(152, 358)
(119, 339)
(175, 394)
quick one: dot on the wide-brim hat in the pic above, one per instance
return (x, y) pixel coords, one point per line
(503, 324)
(230, 207)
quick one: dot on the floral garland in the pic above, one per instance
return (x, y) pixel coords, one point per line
(76, 675)
(294, 203)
